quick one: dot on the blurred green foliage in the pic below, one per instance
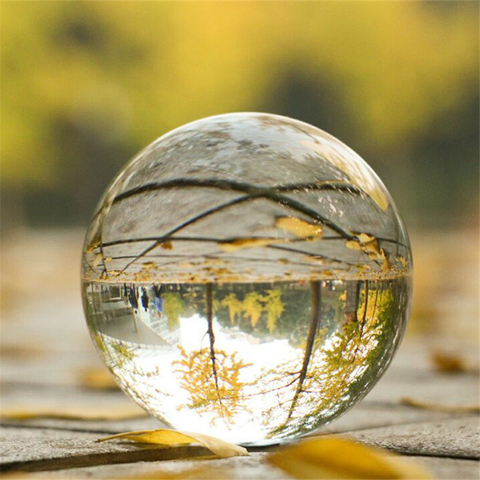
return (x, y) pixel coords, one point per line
(87, 84)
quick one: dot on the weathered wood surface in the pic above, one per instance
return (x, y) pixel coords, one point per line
(46, 346)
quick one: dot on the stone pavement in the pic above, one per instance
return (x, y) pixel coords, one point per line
(46, 347)
(447, 443)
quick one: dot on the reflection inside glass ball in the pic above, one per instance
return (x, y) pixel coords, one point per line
(247, 276)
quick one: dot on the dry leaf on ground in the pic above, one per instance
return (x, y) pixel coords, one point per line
(253, 242)
(175, 438)
(411, 402)
(21, 353)
(97, 378)
(300, 228)
(450, 363)
(341, 458)
(80, 412)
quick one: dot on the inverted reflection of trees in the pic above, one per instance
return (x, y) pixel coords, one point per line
(129, 374)
(328, 379)
(213, 382)
(212, 376)
(339, 354)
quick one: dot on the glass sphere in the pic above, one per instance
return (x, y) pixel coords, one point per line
(247, 276)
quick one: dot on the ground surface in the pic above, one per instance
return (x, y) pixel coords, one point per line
(46, 350)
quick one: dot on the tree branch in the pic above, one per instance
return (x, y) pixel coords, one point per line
(312, 331)
(211, 335)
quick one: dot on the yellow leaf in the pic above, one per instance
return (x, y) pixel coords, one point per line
(353, 245)
(318, 259)
(341, 458)
(81, 412)
(402, 260)
(148, 265)
(175, 438)
(97, 378)
(248, 243)
(385, 261)
(300, 228)
(369, 245)
(368, 242)
(448, 362)
(365, 238)
(363, 268)
(372, 247)
(27, 351)
(411, 402)
(168, 245)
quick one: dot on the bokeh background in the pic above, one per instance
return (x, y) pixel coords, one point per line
(87, 84)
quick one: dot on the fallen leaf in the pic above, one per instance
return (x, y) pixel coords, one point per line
(372, 247)
(97, 378)
(341, 458)
(318, 259)
(115, 273)
(300, 228)
(353, 245)
(368, 242)
(402, 260)
(385, 261)
(448, 362)
(248, 243)
(168, 245)
(362, 268)
(148, 264)
(81, 412)
(365, 238)
(411, 402)
(175, 438)
(16, 352)
(369, 245)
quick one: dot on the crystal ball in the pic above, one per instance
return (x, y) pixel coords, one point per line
(247, 276)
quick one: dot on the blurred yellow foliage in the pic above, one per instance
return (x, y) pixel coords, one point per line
(133, 70)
